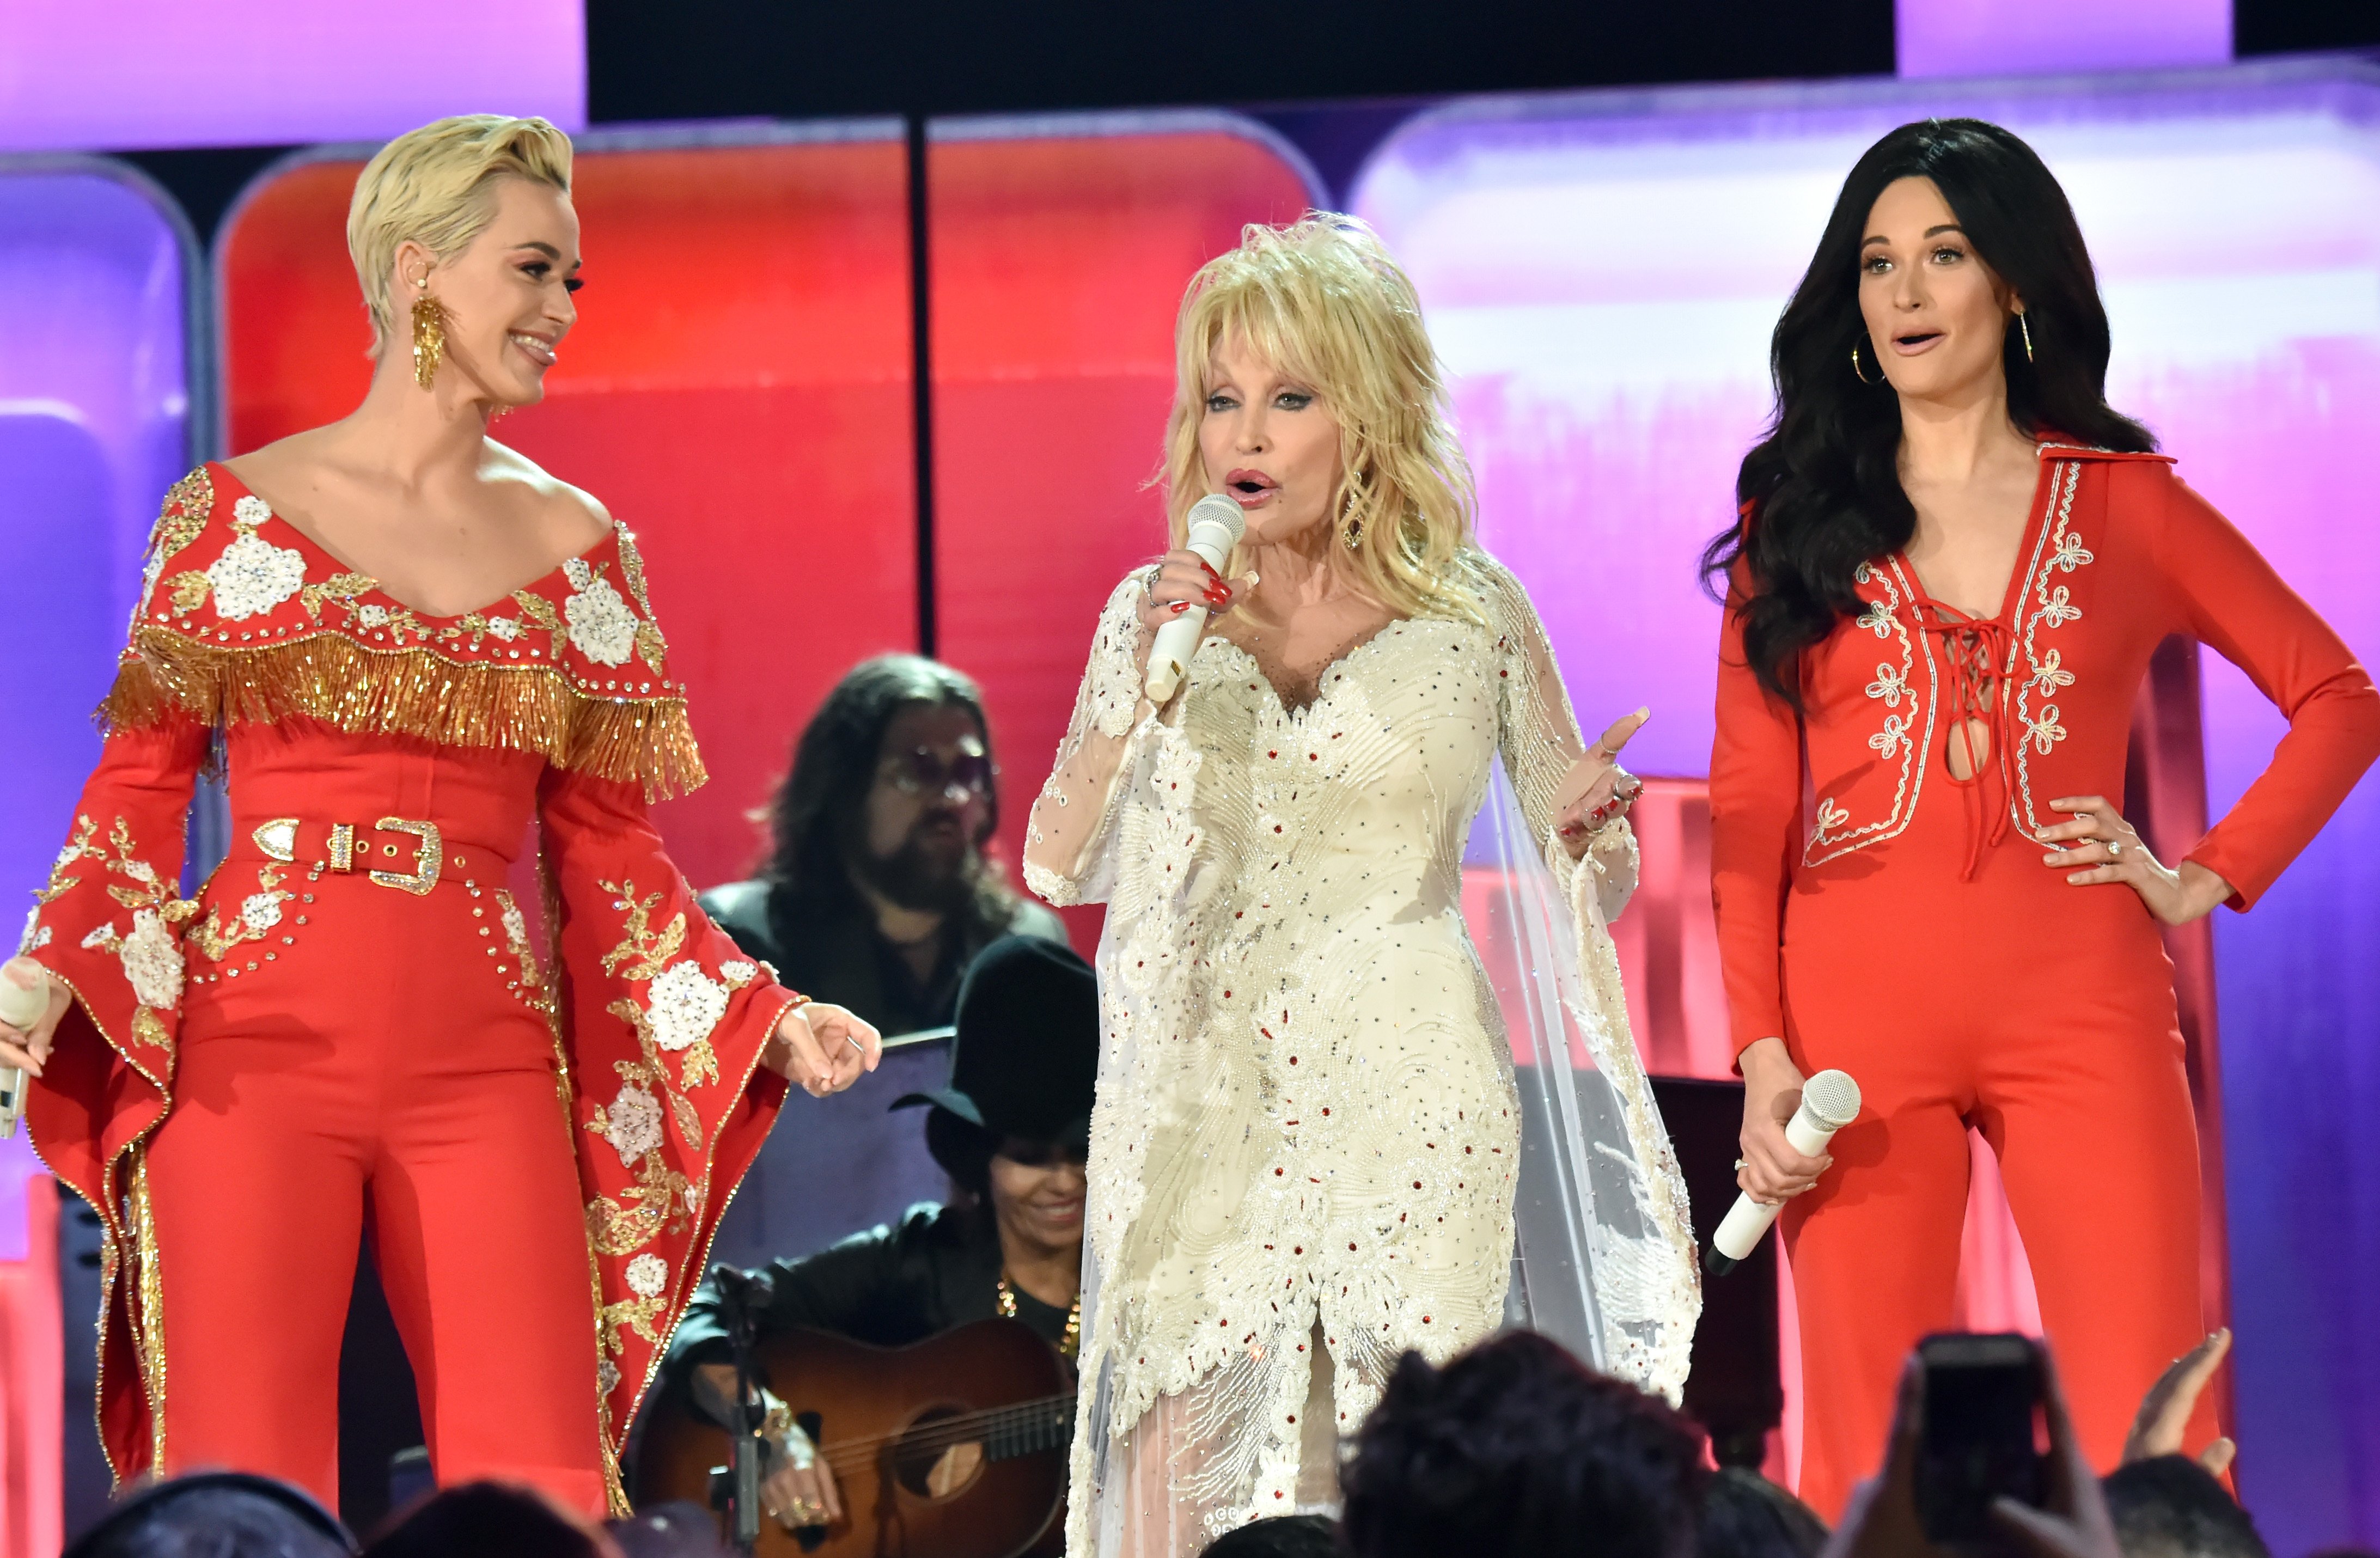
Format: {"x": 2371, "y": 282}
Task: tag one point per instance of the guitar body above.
{"x": 887, "y": 1418}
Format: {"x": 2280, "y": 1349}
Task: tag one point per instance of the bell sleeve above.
{"x": 664, "y": 1022}
{"x": 106, "y": 924}
{"x": 1601, "y": 1221}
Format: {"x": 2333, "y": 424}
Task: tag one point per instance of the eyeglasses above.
{"x": 921, "y": 772}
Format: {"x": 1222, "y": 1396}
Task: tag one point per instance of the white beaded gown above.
{"x": 1308, "y": 1136}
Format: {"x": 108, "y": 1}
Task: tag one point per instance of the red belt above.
{"x": 343, "y": 851}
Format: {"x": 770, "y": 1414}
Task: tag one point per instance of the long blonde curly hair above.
{"x": 1322, "y": 302}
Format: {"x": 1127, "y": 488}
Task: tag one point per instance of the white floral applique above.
{"x": 2043, "y": 729}
{"x": 1887, "y": 743}
{"x": 257, "y": 914}
{"x": 2046, "y": 670}
{"x": 647, "y": 1275}
{"x": 504, "y": 628}
{"x": 251, "y": 578}
{"x": 684, "y": 1006}
{"x": 602, "y": 626}
{"x": 151, "y": 953}
{"x": 633, "y": 1125}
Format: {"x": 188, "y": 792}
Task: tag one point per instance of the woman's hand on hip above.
{"x": 1597, "y": 788}
{"x": 1771, "y": 1170}
{"x": 822, "y": 1049}
{"x": 29, "y": 1048}
{"x": 2098, "y": 847}
{"x": 1183, "y": 579}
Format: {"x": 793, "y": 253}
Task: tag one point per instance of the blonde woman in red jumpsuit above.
{"x": 350, "y": 1027}
{"x": 1954, "y": 564}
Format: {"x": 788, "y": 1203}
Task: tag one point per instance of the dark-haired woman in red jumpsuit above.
{"x": 1954, "y": 565}
{"x": 426, "y": 662}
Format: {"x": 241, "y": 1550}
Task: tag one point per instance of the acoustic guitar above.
{"x": 953, "y": 1447}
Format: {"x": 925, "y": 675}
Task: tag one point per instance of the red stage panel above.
{"x": 1058, "y": 262}
{"x": 737, "y": 391}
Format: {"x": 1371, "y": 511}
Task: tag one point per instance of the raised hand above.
{"x": 2164, "y": 1411}
{"x": 1597, "y": 788}
{"x": 1183, "y": 579}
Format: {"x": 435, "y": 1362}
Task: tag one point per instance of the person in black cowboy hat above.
{"x": 1012, "y": 1130}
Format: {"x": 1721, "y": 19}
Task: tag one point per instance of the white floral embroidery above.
{"x": 2057, "y": 609}
{"x": 2049, "y": 675}
{"x": 153, "y": 961}
{"x": 252, "y": 576}
{"x": 1830, "y": 816}
{"x": 504, "y": 627}
{"x": 261, "y": 911}
{"x": 139, "y": 870}
{"x": 2045, "y": 730}
{"x": 515, "y": 924}
{"x": 36, "y": 933}
{"x": 1887, "y": 742}
{"x": 737, "y": 973}
{"x": 685, "y": 1004}
{"x": 1877, "y": 619}
{"x": 373, "y": 616}
{"x": 100, "y": 936}
{"x": 2070, "y": 553}
{"x": 602, "y": 625}
{"x": 1890, "y": 685}
{"x": 251, "y": 511}
{"x": 578, "y": 571}
{"x": 633, "y": 1125}
{"x": 648, "y": 1275}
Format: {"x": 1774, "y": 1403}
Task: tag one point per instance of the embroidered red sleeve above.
{"x": 666, "y": 1020}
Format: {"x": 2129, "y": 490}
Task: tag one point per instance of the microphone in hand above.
{"x": 1829, "y": 1101}
{"x": 1215, "y": 527}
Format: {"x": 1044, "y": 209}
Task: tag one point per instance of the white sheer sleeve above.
{"x": 1605, "y": 1250}
{"x": 1069, "y": 839}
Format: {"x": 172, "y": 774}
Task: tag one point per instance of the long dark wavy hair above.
{"x": 816, "y": 811}
{"x": 1823, "y": 487}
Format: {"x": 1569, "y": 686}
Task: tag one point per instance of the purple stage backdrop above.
{"x": 1601, "y": 273}
{"x": 94, "y": 411}
{"x": 150, "y": 73}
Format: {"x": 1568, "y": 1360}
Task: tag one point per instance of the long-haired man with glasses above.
{"x": 876, "y": 894}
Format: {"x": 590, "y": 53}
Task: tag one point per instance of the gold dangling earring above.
{"x": 1353, "y": 532}
{"x": 2025, "y": 330}
{"x": 1860, "y": 373}
{"x": 429, "y": 334}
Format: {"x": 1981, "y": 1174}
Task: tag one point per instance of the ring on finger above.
{"x": 854, "y": 1044}
{"x": 2115, "y": 847}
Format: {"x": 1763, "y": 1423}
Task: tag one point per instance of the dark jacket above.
{"x": 888, "y": 1286}
{"x": 833, "y": 952}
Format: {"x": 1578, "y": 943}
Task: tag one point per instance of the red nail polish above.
{"x": 1179, "y": 607}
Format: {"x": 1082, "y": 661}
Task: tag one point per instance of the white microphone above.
{"x": 1829, "y": 1101}
{"x": 20, "y": 1008}
{"x": 1216, "y": 525}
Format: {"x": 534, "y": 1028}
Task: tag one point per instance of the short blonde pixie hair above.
{"x": 431, "y": 185}
{"x": 1321, "y": 302}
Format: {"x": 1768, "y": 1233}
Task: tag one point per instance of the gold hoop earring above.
{"x": 1860, "y": 373}
{"x": 2025, "y": 330}
{"x": 429, "y": 334}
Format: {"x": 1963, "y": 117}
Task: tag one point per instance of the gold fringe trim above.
{"x": 408, "y": 692}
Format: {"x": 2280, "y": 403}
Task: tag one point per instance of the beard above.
{"x": 922, "y": 875}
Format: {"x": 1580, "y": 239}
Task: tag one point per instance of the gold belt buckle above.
{"x": 429, "y": 854}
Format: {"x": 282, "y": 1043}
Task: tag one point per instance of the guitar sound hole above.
{"x": 932, "y": 1465}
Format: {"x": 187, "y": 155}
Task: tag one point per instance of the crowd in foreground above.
{"x": 1512, "y": 1450}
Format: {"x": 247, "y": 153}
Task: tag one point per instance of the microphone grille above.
{"x": 1216, "y": 509}
{"x": 1833, "y": 1096}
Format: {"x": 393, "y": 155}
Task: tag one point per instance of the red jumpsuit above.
{"x": 1900, "y": 924}
{"x": 352, "y": 1029}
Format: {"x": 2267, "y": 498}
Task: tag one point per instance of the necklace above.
{"x": 1068, "y": 1344}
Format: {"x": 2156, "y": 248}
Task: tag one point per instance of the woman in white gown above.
{"x": 1308, "y": 1136}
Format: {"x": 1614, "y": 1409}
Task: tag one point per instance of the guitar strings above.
{"x": 859, "y": 1454}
